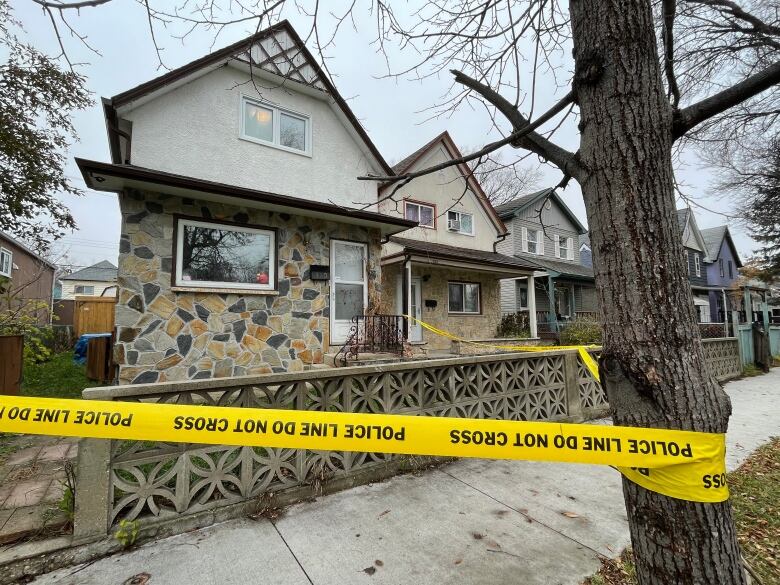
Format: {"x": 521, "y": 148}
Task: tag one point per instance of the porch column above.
{"x": 553, "y": 314}
{"x": 748, "y": 306}
{"x": 406, "y": 293}
{"x": 532, "y": 306}
{"x": 725, "y": 314}
{"x": 574, "y": 301}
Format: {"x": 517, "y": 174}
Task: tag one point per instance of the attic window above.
{"x": 273, "y": 126}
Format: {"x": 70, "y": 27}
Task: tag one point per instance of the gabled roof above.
{"x": 265, "y": 50}
{"x": 585, "y": 240}
{"x": 446, "y": 140}
{"x": 713, "y": 239}
{"x": 511, "y": 208}
{"x": 686, "y": 217}
{"x": 20, "y": 245}
{"x": 102, "y": 272}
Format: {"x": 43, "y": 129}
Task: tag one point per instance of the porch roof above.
{"x": 432, "y": 253}
{"x": 102, "y": 176}
{"x": 558, "y": 268}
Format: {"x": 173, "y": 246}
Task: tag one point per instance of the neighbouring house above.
{"x": 30, "y": 279}
{"x": 543, "y": 230}
{"x": 246, "y": 246}
{"x": 446, "y": 271}
{"x": 586, "y": 253}
{"x": 723, "y": 264}
{"x": 91, "y": 281}
{"x": 695, "y": 255}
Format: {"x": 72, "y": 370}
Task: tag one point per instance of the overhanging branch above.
{"x": 520, "y": 134}
{"x": 536, "y": 143}
{"x": 720, "y": 102}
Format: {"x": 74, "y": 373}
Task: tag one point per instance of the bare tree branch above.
{"x": 669, "y": 10}
{"x": 487, "y": 149}
{"x": 562, "y": 158}
{"x": 722, "y": 101}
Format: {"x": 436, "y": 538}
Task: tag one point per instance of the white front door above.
{"x": 415, "y": 329}
{"x": 348, "y": 290}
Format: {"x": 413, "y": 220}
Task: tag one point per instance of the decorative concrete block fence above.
{"x": 171, "y": 487}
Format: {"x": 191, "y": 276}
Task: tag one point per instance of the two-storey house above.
{"x": 695, "y": 254}
{"x": 246, "y": 244}
{"x": 446, "y": 271}
{"x": 27, "y": 280}
{"x": 722, "y": 272}
{"x": 543, "y": 229}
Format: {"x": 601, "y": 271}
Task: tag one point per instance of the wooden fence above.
{"x": 93, "y": 315}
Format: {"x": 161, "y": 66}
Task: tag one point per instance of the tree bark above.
{"x": 652, "y": 365}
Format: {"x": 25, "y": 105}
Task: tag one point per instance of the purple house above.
{"x": 723, "y": 266}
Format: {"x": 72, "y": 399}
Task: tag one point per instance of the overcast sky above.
{"x": 389, "y": 109}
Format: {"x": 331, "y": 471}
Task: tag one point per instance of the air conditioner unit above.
{"x": 453, "y": 225}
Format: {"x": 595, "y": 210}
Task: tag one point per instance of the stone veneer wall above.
{"x": 165, "y": 335}
{"x": 476, "y": 327}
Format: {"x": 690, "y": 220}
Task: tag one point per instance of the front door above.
{"x": 415, "y": 329}
{"x": 348, "y": 290}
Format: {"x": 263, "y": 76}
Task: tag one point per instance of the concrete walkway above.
{"x": 472, "y": 521}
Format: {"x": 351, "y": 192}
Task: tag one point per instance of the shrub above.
{"x": 581, "y": 332}
{"x": 514, "y": 325}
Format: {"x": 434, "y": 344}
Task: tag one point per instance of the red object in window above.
{"x": 262, "y": 278}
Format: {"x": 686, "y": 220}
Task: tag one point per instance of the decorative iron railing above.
{"x": 373, "y": 334}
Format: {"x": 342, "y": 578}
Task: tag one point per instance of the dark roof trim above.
{"x": 227, "y": 52}
{"x": 89, "y": 167}
{"x": 446, "y": 252}
{"x": 27, "y": 249}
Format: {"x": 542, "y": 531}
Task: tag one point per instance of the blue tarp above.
{"x": 80, "y": 351}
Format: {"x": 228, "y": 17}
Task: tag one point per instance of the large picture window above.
{"x": 216, "y": 255}
{"x": 267, "y": 124}
{"x": 463, "y": 297}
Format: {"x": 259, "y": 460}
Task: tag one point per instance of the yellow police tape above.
{"x": 587, "y": 359}
{"x": 681, "y": 464}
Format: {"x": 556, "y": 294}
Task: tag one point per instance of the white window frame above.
{"x": 721, "y": 268}
{"x": 464, "y": 311}
{"x": 459, "y": 214}
{"x": 5, "y": 252}
{"x": 272, "y": 257}
{"x": 568, "y": 245}
{"x": 697, "y": 263}
{"x": 419, "y": 204}
{"x": 539, "y": 241}
{"x": 86, "y": 294}
{"x": 276, "y": 126}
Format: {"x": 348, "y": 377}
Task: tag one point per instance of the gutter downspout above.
{"x": 500, "y": 239}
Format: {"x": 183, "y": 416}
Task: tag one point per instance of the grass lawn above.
{"x": 57, "y": 378}
{"x": 755, "y": 495}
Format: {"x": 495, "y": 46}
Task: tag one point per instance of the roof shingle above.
{"x": 101, "y": 272}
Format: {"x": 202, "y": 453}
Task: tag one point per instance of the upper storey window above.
{"x": 273, "y": 126}
{"x": 422, "y": 213}
{"x": 458, "y": 221}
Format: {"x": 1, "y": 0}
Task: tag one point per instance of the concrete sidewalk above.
{"x": 472, "y": 521}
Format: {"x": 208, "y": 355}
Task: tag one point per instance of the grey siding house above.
{"x": 545, "y": 231}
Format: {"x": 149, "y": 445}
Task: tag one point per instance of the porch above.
{"x": 453, "y": 289}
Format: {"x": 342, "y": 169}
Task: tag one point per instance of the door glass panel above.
{"x": 348, "y": 301}
{"x": 349, "y": 262}
{"x": 415, "y": 304}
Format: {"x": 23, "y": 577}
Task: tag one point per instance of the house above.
{"x": 723, "y": 264}
{"x": 695, "y": 255}
{"x": 246, "y": 243}
{"x": 586, "y": 252}
{"x": 543, "y": 230}
{"x": 29, "y": 278}
{"x": 91, "y": 281}
{"x": 445, "y": 271}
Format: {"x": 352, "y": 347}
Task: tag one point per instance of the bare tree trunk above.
{"x": 653, "y": 365}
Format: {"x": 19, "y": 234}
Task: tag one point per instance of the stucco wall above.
{"x": 443, "y": 189}
{"x": 482, "y": 326}
{"x": 164, "y": 334}
{"x": 194, "y": 129}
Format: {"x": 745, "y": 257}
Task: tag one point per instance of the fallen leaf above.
{"x": 383, "y": 513}
{"x": 492, "y": 544}
{"x": 477, "y": 536}
{"x": 139, "y": 579}
{"x": 570, "y": 514}
{"x": 379, "y": 563}
{"x": 458, "y": 561}
{"x": 369, "y": 570}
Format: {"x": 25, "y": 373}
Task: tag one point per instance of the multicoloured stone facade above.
{"x": 168, "y": 333}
